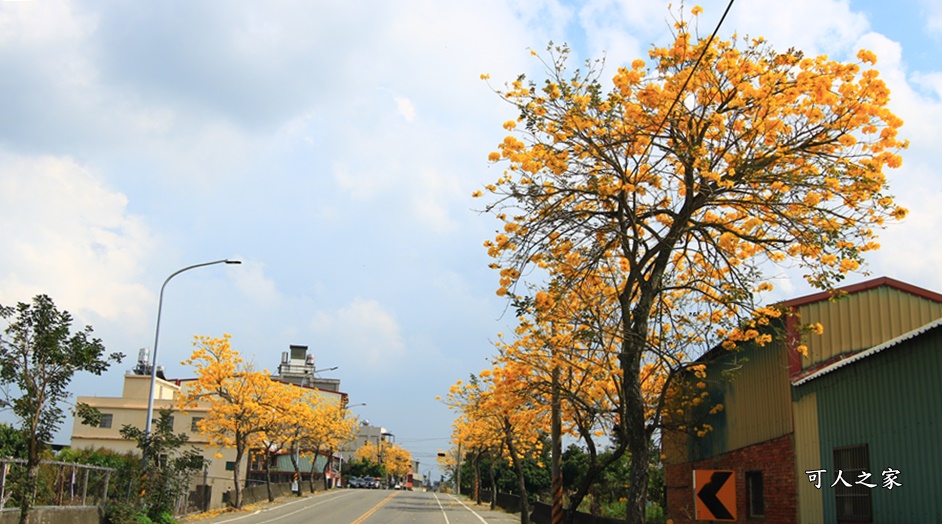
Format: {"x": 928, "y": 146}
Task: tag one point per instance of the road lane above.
{"x": 369, "y": 507}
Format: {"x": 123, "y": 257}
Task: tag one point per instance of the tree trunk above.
{"x": 268, "y": 456}
{"x": 592, "y": 474}
{"x": 476, "y": 466}
{"x": 310, "y": 479}
{"x": 32, "y": 472}
{"x": 632, "y": 417}
{"x": 639, "y": 462}
{"x": 29, "y": 486}
{"x": 521, "y": 483}
{"x": 556, "y": 515}
{"x": 236, "y": 469}
{"x": 297, "y": 468}
{"x": 493, "y": 476}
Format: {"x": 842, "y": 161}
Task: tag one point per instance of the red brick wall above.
{"x": 775, "y": 458}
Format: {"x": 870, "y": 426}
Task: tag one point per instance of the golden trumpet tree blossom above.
{"x": 284, "y": 420}
{"x": 397, "y": 460}
{"x": 369, "y": 452}
{"x": 242, "y": 400}
{"x": 322, "y": 426}
{"x": 673, "y": 188}
{"x": 511, "y": 419}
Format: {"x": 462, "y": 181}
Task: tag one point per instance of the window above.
{"x": 155, "y": 422}
{"x": 853, "y": 503}
{"x": 106, "y": 420}
{"x": 230, "y": 465}
{"x": 755, "y": 493}
{"x": 194, "y": 425}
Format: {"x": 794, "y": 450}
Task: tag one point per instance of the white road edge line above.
{"x": 441, "y": 508}
{"x": 306, "y": 499}
{"x": 469, "y": 509}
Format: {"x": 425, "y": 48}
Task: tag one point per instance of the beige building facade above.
{"x": 206, "y": 489}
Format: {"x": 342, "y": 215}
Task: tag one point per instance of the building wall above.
{"x": 862, "y": 320}
{"x": 808, "y": 457}
{"x": 752, "y": 433}
{"x": 892, "y": 402}
{"x": 774, "y": 458}
{"x": 754, "y": 388}
{"x": 131, "y": 409}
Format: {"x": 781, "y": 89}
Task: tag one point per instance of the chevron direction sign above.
{"x": 714, "y": 495}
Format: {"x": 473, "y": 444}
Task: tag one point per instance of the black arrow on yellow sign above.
{"x": 707, "y": 495}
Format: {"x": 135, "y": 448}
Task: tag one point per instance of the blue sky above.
{"x": 333, "y": 148}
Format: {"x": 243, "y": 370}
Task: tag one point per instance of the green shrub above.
{"x": 120, "y": 513}
{"x": 165, "y": 518}
{"x": 654, "y": 514}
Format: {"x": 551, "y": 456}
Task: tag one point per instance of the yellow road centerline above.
{"x": 374, "y": 508}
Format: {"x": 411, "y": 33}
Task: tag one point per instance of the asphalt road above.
{"x": 366, "y": 506}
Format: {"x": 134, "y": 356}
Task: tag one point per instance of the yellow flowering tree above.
{"x": 338, "y": 426}
{"x": 397, "y": 460}
{"x": 241, "y": 399}
{"x": 566, "y": 339}
{"x": 297, "y": 419}
{"x": 476, "y": 432}
{"x": 501, "y": 400}
{"x": 678, "y": 186}
{"x": 282, "y": 422}
{"x": 368, "y": 452}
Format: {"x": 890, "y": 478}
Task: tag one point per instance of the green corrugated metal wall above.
{"x": 757, "y": 401}
{"x": 891, "y": 401}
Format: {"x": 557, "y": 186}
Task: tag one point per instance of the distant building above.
{"x": 298, "y": 367}
{"x": 846, "y": 433}
{"x": 366, "y": 433}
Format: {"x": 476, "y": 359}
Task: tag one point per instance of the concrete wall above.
{"x": 53, "y": 515}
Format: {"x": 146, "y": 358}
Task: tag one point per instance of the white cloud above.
{"x": 367, "y": 334}
{"x": 44, "y": 22}
{"x": 813, "y": 26}
{"x": 406, "y": 108}
{"x": 251, "y": 280}
{"x": 434, "y": 195}
{"x": 933, "y": 16}
{"x": 603, "y": 22}
{"x": 69, "y": 236}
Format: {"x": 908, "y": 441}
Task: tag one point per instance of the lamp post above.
{"x": 153, "y": 366}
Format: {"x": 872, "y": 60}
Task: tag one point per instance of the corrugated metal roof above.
{"x": 863, "y": 286}
{"x": 872, "y": 351}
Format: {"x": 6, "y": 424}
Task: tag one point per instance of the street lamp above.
{"x": 153, "y": 366}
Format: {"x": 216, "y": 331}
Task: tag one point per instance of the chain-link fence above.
{"x": 59, "y": 484}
